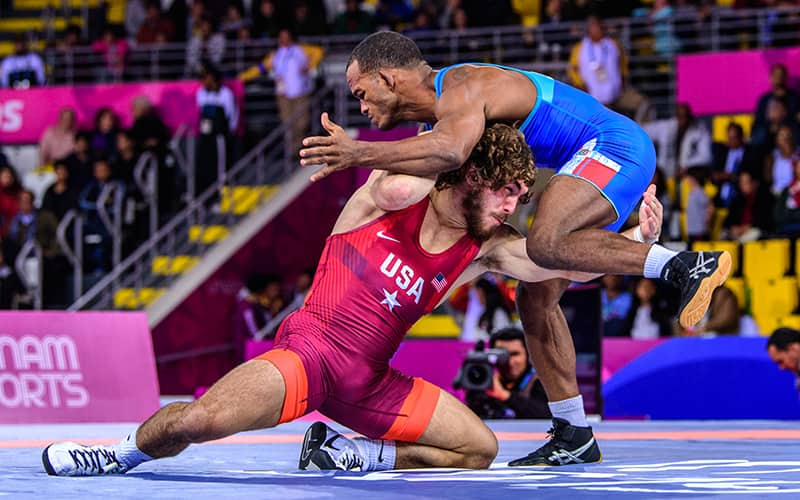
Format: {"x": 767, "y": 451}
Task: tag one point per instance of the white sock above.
{"x": 570, "y": 410}
{"x": 380, "y": 454}
{"x": 657, "y": 258}
{"x": 130, "y": 454}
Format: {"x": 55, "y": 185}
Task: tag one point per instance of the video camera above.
{"x": 477, "y": 371}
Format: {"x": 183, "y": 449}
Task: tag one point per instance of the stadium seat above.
{"x": 164, "y": 265}
{"x": 775, "y": 298}
{"x": 131, "y": 298}
{"x": 765, "y": 259}
{"x": 719, "y": 125}
{"x": 244, "y": 199}
{"x": 435, "y": 325}
{"x": 792, "y": 321}
{"x": 731, "y": 247}
{"x": 207, "y": 234}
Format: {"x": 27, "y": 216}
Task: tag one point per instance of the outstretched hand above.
{"x": 335, "y": 151}
{"x": 651, "y": 215}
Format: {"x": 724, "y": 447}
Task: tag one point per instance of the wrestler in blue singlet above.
{"x": 572, "y": 132}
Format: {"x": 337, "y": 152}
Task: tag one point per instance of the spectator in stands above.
{"x": 750, "y": 215}
{"x": 81, "y": 166}
{"x": 9, "y": 197}
{"x": 251, "y": 313}
{"x": 779, "y": 169}
{"x": 651, "y": 315}
{"x": 485, "y": 310}
{"x": 728, "y": 160}
{"x": 699, "y": 209}
{"x": 787, "y": 207}
{"x": 599, "y": 65}
{"x": 234, "y": 22}
{"x": 206, "y": 44}
{"x": 115, "y": 53}
{"x": 393, "y": 13}
{"x": 71, "y": 38}
{"x": 681, "y": 142}
{"x": 665, "y": 42}
{"x": 218, "y": 115}
{"x": 290, "y": 65}
{"x": 135, "y": 15}
{"x": 22, "y": 227}
{"x": 96, "y": 235}
{"x": 783, "y": 348}
{"x": 9, "y": 284}
{"x": 778, "y": 77}
{"x": 616, "y": 305}
{"x": 148, "y": 131}
{"x": 517, "y": 391}
{"x": 104, "y": 135}
{"x": 22, "y": 69}
{"x": 597, "y": 62}
{"x": 353, "y": 20}
{"x": 124, "y": 163}
{"x": 765, "y": 136}
{"x": 308, "y": 20}
{"x": 265, "y": 19}
{"x": 422, "y": 23}
{"x": 302, "y": 286}
{"x": 60, "y": 197}
{"x": 156, "y": 29}
{"x": 58, "y": 140}
{"x": 722, "y": 317}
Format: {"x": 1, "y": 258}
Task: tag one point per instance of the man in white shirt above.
{"x": 293, "y": 87}
{"x": 599, "y": 63}
{"x": 219, "y": 116}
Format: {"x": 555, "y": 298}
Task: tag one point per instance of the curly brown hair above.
{"x": 501, "y": 156}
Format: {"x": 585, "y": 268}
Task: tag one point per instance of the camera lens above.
{"x": 478, "y": 374}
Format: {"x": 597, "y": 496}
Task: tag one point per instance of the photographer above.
{"x": 516, "y": 391}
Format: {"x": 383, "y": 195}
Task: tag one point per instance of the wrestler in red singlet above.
{"x": 371, "y": 285}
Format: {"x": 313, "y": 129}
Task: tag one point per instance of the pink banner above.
{"x": 731, "y": 82}
{"x": 76, "y": 367}
{"x": 24, "y": 114}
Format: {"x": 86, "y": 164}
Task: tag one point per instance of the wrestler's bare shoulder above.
{"x": 504, "y": 93}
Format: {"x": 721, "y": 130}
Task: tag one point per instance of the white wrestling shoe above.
{"x": 326, "y": 449}
{"x": 73, "y": 459}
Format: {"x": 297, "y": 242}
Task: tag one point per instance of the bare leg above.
{"x": 548, "y": 338}
{"x": 249, "y": 397}
{"x": 455, "y": 437}
{"x": 566, "y": 235}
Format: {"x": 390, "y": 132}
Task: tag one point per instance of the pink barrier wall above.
{"x": 76, "y": 367}
{"x": 24, "y": 114}
{"x": 731, "y": 82}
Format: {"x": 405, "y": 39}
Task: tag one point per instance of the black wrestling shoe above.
{"x": 325, "y": 449}
{"x": 568, "y": 444}
{"x": 696, "y": 275}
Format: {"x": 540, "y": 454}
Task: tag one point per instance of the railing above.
{"x": 266, "y": 163}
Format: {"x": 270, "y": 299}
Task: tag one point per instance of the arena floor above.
{"x": 642, "y": 460}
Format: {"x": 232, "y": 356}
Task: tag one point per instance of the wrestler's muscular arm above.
{"x": 470, "y": 97}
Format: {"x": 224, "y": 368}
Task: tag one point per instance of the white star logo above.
{"x": 390, "y": 300}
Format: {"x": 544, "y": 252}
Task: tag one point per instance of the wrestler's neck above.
{"x": 447, "y": 206}
{"x": 416, "y": 95}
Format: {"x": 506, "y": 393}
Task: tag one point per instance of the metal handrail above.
{"x": 33, "y": 284}
{"x": 145, "y": 175}
{"x": 112, "y": 225}
{"x": 75, "y": 258}
{"x": 273, "y": 142}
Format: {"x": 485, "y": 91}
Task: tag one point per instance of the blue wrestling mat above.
{"x": 642, "y": 460}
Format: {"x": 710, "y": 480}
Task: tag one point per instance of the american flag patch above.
{"x": 439, "y": 282}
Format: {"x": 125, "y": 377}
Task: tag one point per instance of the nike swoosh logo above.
{"x": 329, "y": 443}
{"x": 380, "y": 454}
{"x": 386, "y": 237}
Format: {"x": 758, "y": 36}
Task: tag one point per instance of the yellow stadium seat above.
{"x": 207, "y": 234}
{"x": 168, "y": 266}
{"x": 775, "y": 298}
{"x": 765, "y": 259}
{"x": 736, "y": 285}
{"x": 149, "y": 295}
{"x": 766, "y": 324}
{"x": 792, "y": 321}
{"x": 528, "y": 10}
{"x": 719, "y": 125}
{"x": 435, "y": 325}
{"x": 720, "y": 214}
{"x": 671, "y": 188}
{"x": 732, "y": 247}
{"x": 125, "y": 298}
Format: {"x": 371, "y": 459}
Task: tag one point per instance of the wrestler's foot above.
{"x": 568, "y": 444}
{"x": 326, "y": 449}
{"x": 696, "y": 275}
{"x": 72, "y": 459}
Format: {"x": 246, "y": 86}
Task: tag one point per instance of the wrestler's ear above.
{"x": 472, "y": 177}
{"x": 388, "y": 78}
